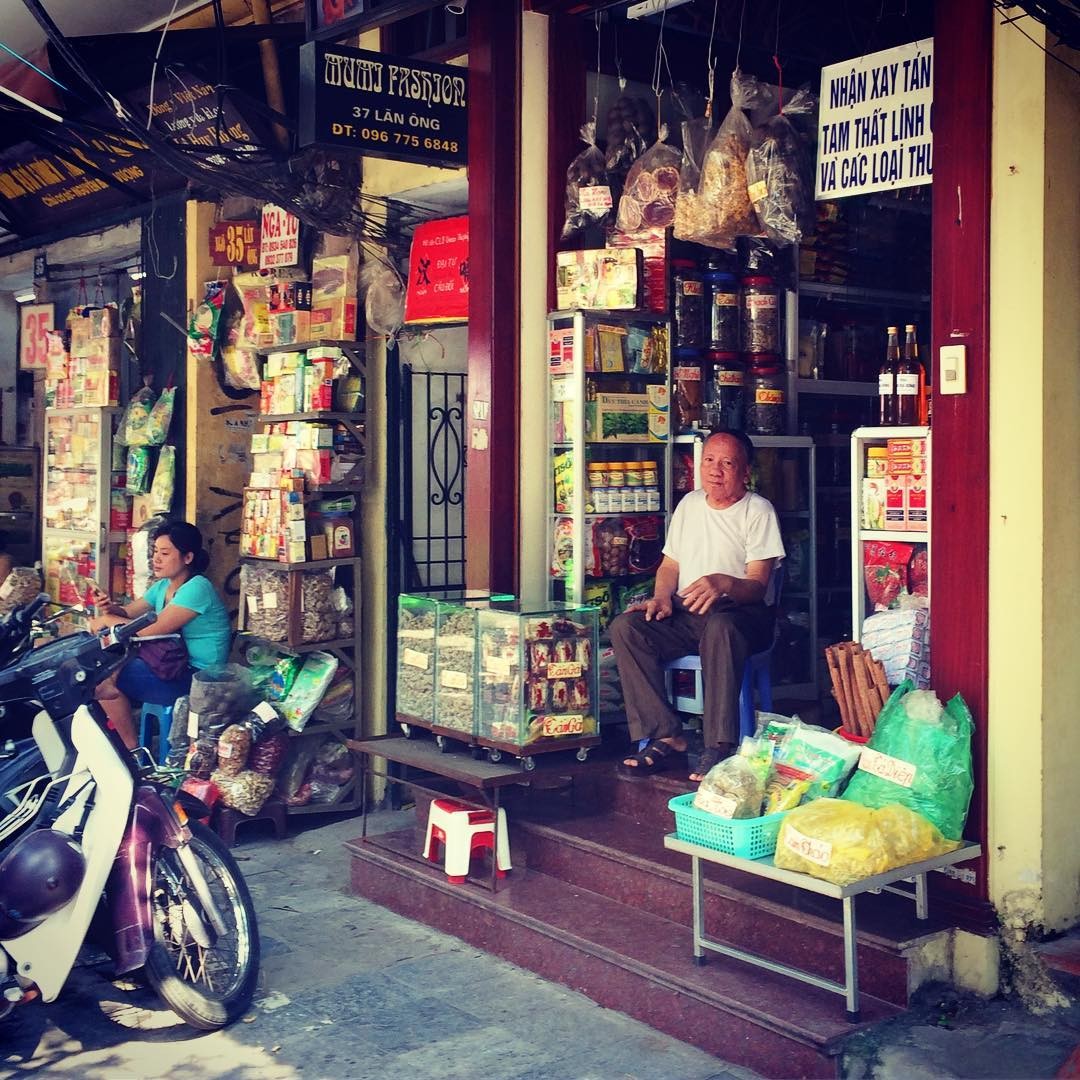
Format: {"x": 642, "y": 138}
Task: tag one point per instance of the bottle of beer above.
{"x": 887, "y": 379}
{"x": 910, "y": 386}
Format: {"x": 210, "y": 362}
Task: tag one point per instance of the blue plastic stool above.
{"x": 757, "y": 675}
{"x": 164, "y": 716}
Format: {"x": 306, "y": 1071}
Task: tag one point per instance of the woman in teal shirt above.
{"x": 185, "y": 603}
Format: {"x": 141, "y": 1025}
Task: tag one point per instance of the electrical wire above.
{"x": 157, "y": 57}
{"x": 22, "y": 59}
{"x": 1001, "y": 6}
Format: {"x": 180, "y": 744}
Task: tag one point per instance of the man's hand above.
{"x": 700, "y": 595}
{"x": 656, "y": 608}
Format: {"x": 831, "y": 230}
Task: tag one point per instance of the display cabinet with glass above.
{"x": 609, "y": 455}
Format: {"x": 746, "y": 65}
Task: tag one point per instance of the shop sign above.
{"x": 875, "y": 122}
{"x": 438, "y": 289}
{"x": 279, "y": 243}
{"x": 35, "y": 322}
{"x": 383, "y": 106}
{"x": 235, "y": 243}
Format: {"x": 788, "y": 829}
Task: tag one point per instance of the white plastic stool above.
{"x": 462, "y": 830}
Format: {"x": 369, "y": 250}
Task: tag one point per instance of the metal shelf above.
{"x": 310, "y": 564}
{"x": 324, "y": 415}
{"x": 855, "y": 294}
{"x": 836, "y": 387}
{"x": 894, "y": 534}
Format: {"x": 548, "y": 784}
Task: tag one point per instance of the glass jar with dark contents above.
{"x": 689, "y": 289}
{"x": 766, "y": 396}
{"x": 760, "y": 316}
{"x": 722, "y": 302}
{"x": 726, "y": 390}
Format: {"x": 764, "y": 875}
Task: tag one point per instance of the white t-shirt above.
{"x": 707, "y": 541}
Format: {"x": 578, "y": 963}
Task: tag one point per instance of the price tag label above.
{"x": 269, "y": 601}
{"x": 887, "y": 767}
{"x": 564, "y": 669}
{"x": 253, "y": 605}
{"x": 454, "y": 680}
{"x": 498, "y": 665}
{"x": 713, "y": 803}
{"x": 595, "y": 197}
{"x": 192, "y": 724}
{"x": 815, "y": 851}
{"x": 416, "y": 659}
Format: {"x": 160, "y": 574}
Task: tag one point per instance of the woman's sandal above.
{"x": 651, "y": 758}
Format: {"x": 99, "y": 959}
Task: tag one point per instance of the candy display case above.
{"x": 537, "y": 679}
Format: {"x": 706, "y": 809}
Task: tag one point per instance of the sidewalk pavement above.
{"x": 348, "y": 989}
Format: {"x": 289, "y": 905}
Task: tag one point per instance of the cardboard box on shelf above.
{"x": 896, "y": 502}
{"x": 317, "y": 544}
{"x": 334, "y": 319}
{"x": 628, "y": 417}
{"x": 335, "y": 277}
{"x": 104, "y": 322}
{"x": 287, "y": 296}
{"x": 873, "y": 502}
{"x": 287, "y": 327}
{"x": 917, "y": 516}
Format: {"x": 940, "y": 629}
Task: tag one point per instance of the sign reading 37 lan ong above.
{"x": 373, "y": 104}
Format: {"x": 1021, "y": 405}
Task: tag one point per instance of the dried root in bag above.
{"x": 779, "y": 174}
{"x": 630, "y": 122}
{"x": 723, "y": 209}
{"x": 588, "y": 194}
{"x": 696, "y": 135}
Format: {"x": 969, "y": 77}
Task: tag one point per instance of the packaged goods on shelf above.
{"x": 289, "y": 296}
{"x": 334, "y": 277}
{"x": 628, "y": 417}
{"x": 333, "y": 318}
{"x": 900, "y": 641}
{"x": 254, "y": 329}
{"x": 606, "y": 278}
{"x": 537, "y": 674}
{"x": 287, "y": 327}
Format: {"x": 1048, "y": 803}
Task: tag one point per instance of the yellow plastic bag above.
{"x": 844, "y": 842}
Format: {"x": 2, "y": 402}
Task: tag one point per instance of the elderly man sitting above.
{"x": 713, "y": 596}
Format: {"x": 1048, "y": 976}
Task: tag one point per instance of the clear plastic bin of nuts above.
{"x": 269, "y": 599}
{"x": 436, "y": 659}
{"x": 537, "y": 674}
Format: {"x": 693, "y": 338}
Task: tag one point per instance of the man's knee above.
{"x": 626, "y": 627}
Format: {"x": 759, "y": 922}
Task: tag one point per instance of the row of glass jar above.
{"x": 722, "y": 390}
{"x": 716, "y": 310}
{"x": 623, "y": 487}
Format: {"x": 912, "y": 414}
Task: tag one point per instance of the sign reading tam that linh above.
{"x": 374, "y": 104}
{"x": 875, "y": 122}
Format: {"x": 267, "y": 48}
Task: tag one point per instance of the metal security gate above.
{"x": 432, "y": 479}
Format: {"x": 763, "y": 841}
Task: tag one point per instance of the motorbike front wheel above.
{"x": 207, "y": 986}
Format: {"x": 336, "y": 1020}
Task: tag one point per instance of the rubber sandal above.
{"x": 710, "y": 757}
{"x": 650, "y": 759}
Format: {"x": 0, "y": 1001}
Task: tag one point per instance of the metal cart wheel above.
{"x": 494, "y": 756}
{"x": 442, "y": 743}
{"x": 582, "y": 754}
{"x": 407, "y": 731}
{"x": 528, "y": 764}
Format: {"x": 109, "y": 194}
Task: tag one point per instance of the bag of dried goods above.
{"x": 697, "y": 134}
{"x": 268, "y": 753}
{"x": 307, "y": 691}
{"x": 779, "y": 173}
{"x": 293, "y": 781}
{"x": 131, "y": 431}
{"x": 160, "y": 417}
{"x": 164, "y": 482}
{"x": 844, "y": 842}
{"x": 919, "y": 756}
{"x": 220, "y": 696}
{"x": 630, "y": 123}
{"x": 885, "y": 569}
{"x": 735, "y": 787}
{"x": 21, "y": 586}
{"x": 588, "y": 196}
{"x": 233, "y": 747}
{"x": 723, "y": 203}
{"x": 823, "y": 759}
{"x": 648, "y": 199}
{"x": 245, "y": 791}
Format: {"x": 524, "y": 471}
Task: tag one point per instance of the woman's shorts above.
{"x": 139, "y": 683}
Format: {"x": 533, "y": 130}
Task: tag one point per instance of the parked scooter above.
{"x": 95, "y": 835}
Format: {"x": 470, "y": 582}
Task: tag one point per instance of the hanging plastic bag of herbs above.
{"x": 588, "y": 194}
{"x": 630, "y": 122}
{"x": 779, "y": 172}
{"x": 648, "y": 200}
{"x": 690, "y": 216}
{"x": 726, "y": 210}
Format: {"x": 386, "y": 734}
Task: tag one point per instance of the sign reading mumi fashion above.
{"x": 375, "y": 104}
{"x": 875, "y": 122}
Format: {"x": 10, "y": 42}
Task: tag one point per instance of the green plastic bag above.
{"x": 919, "y": 756}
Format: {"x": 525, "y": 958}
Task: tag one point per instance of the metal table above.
{"x": 849, "y": 988}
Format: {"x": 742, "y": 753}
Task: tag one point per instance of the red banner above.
{"x": 438, "y": 289}
{"x": 235, "y": 243}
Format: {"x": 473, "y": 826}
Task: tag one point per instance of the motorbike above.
{"x": 94, "y": 846}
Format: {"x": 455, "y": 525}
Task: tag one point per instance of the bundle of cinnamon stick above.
{"x": 859, "y": 686}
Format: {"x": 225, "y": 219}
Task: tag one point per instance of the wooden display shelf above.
{"x": 326, "y": 415}
{"x": 310, "y": 564}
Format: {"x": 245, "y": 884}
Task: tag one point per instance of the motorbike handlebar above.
{"x": 124, "y": 632}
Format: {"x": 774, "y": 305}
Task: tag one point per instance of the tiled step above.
{"x": 624, "y": 958}
{"x": 611, "y": 855}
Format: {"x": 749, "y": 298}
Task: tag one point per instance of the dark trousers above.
{"x": 723, "y": 638}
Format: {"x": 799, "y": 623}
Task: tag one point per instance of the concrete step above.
{"x": 622, "y": 956}
{"x": 611, "y": 855}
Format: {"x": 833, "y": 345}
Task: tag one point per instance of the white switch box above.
{"x": 952, "y": 369}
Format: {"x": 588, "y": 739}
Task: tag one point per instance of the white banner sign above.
{"x": 875, "y": 126}
{"x": 280, "y": 245}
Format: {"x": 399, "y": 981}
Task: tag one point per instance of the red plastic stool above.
{"x": 227, "y": 820}
{"x": 461, "y": 830}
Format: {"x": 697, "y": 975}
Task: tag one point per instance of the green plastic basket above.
{"x": 749, "y": 838}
